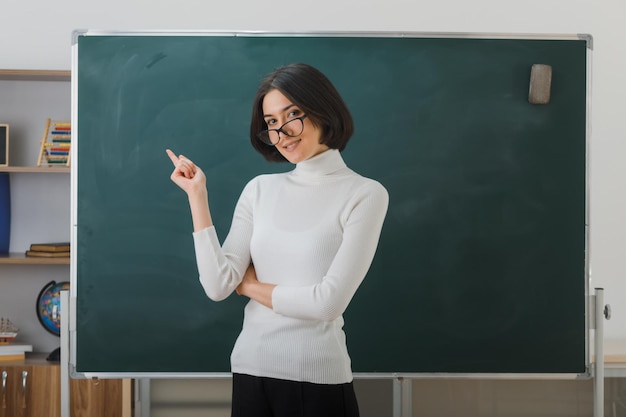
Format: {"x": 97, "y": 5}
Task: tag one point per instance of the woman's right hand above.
{"x": 187, "y": 175}
{"x": 191, "y": 179}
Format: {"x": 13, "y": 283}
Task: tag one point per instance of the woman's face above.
{"x": 278, "y": 110}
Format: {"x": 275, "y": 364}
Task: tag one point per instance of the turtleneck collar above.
{"x": 326, "y": 163}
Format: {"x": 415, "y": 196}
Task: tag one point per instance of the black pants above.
{"x": 267, "y": 397}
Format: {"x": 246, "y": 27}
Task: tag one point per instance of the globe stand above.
{"x": 55, "y": 355}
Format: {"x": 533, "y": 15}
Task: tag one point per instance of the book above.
{"x": 14, "y": 357}
{"x": 51, "y": 247}
{"x": 46, "y": 254}
{"x": 15, "y": 349}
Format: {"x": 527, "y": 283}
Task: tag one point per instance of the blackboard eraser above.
{"x": 540, "y": 83}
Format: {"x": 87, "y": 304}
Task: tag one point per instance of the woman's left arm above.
{"x": 328, "y": 299}
{"x": 250, "y": 287}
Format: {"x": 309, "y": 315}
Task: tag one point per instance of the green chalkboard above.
{"x": 481, "y": 266}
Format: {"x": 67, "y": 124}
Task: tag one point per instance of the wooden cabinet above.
{"x": 100, "y": 398}
{"x": 30, "y": 390}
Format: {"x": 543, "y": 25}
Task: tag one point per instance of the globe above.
{"x": 49, "y": 306}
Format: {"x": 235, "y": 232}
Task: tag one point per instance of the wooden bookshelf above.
{"x": 14, "y": 258}
{"x": 19, "y": 75}
{"x": 87, "y": 398}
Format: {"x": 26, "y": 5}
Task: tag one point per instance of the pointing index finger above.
{"x": 172, "y": 156}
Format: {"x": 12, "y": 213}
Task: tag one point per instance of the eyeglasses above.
{"x": 292, "y": 128}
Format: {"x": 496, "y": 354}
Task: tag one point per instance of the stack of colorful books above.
{"x": 49, "y": 250}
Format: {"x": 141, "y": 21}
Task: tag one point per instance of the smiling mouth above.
{"x": 291, "y": 145}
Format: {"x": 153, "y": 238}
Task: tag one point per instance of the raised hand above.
{"x": 187, "y": 175}
{"x": 191, "y": 179}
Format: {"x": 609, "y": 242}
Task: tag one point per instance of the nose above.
{"x": 286, "y": 130}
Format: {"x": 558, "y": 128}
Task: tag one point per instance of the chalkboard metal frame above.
{"x": 586, "y": 373}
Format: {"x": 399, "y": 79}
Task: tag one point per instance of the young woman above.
{"x": 299, "y": 246}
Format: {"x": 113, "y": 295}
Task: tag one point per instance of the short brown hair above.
{"x": 309, "y": 89}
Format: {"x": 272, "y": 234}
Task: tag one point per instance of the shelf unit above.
{"x": 112, "y": 398}
{"x": 33, "y": 75}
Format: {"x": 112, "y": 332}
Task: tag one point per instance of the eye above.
{"x": 294, "y": 113}
{"x": 270, "y": 122}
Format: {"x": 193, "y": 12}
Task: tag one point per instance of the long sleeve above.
{"x": 221, "y": 267}
{"x": 328, "y": 299}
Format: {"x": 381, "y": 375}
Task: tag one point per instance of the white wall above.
{"x": 36, "y": 34}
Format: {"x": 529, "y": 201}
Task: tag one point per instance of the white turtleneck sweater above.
{"x": 312, "y": 232}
